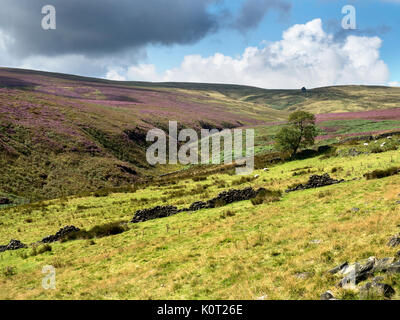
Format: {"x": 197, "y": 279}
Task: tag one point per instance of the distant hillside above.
{"x": 63, "y": 134}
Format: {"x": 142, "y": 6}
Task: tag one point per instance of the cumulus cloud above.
{"x": 306, "y": 56}
{"x": 94, "y": 36}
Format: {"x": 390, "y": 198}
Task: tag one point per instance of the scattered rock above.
{"x": 338, "y": 268}
{"x": 256, "y": 176}
{"x": 398, "y": 255}
{"x": 316, "y": 241}
{"x": 382, "y": 265}
{"x": 394, "y": 241}
{"x": 13, "y": 245}
{"x": 303, "y": 275}
{"x": 376, "y": 289}
{"x": 316, "y": 181}
{"x": 5, "y": 201}
{"x": 327, "y": 296}
{"x": 354, "y": 152}
{"x": 378, "y": 279}
{"x": 394, "y": 268}
{"x": 60, "y": 234}
{"x": 355, "y": 210}
{"x": 356, "y": 273}
{"x": 265, "y": 169}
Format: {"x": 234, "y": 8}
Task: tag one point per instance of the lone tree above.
{"x": 299, "y": 133}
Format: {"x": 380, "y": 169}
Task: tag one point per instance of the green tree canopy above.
{"x": 299, "y": 133}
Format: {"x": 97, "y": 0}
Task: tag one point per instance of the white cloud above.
{"x": 394, "y": 84}
{"x": 306, "y": 56}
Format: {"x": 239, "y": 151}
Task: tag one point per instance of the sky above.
{"x": 273, "y": 44}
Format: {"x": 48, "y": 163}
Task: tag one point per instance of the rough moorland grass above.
{"x": 240, "y": 251}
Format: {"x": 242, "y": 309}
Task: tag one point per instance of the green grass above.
{"x": 240, "y": 251}
{"x": 360, "y": 125}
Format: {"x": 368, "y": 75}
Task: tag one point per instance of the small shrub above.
{"x": 266, "y": 196}
{"x": 9, "y": 271}
{"x": 196, "y": 179}
{"x": 378, "y": 174}
{"x": 323, "y": 194}
{"x": 227, "y": 214}
{"x": 220, "y": 203}
{"x": 301, "y": 173}
{"x": 174, "y": 194}
{"x": 100, "y": 231}
{"x": 101, "y": 193}
{"x": 242, "y": 180}
{"x": 36, "y": 250}
{"x": 199, "y": 189}
{"x": 336, "y": 169}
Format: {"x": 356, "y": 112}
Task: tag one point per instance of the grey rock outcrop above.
{"x": 376, "y": 289}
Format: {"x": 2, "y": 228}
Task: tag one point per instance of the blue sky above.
{"x": 265, "y": 43}
{"x": 379, "y": 18}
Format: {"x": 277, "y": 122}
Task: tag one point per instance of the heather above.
{"x": 77, "y": 193}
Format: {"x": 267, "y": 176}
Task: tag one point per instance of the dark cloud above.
{"x": 253, "y": 11}
{"x": 104, "y": 26}
{"x": 98, "y": 28}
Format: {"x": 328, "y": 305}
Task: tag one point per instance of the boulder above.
{"x": 327, "y": 296}
{"x": 394, "y": 241}
{"x": 339, "y": 268}
{"x": 356, "y": 273}
{"x": 394, "y": 268}
{"x": 382, "y": 265}
{"x": 376, "y": 289}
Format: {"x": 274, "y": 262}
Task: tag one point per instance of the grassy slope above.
{"x": 238, "y": 251}
{"x": 62, "y": 134}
